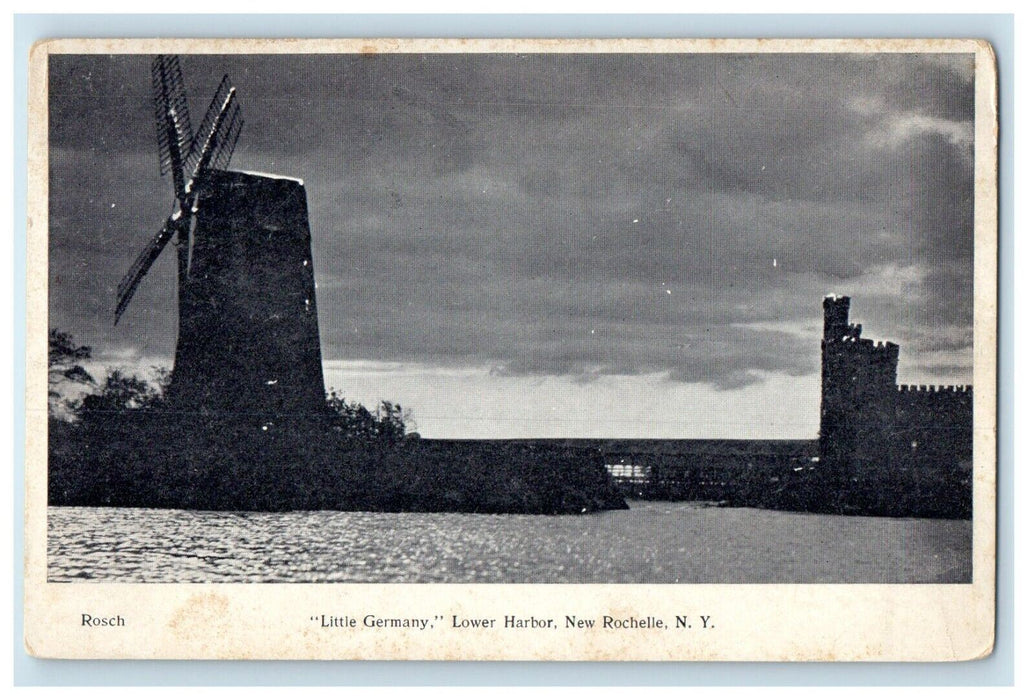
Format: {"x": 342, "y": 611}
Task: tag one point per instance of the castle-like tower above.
{"x": 249, "y": 343}
{"x": 858, "y": 387}
{"x": 866, "y": 419}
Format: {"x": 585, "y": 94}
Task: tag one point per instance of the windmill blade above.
{"x": 224, "y": 119}
{"x": 172, "y": 117}
{"x": 207, "y": 123}
{"x": 226, "y": 140}
{"x": 143, "y": 263}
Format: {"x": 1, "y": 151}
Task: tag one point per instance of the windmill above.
{"x": 248, "y": 341}
{"x": 188, "y": 155}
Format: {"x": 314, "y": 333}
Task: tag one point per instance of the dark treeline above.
{"x": 121, "y": 444}
{"x": 124, "y": 444}
{"x": 145, "y": 458}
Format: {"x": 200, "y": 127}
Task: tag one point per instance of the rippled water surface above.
{"x": 654, "y": 542}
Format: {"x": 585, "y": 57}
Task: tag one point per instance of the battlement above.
{"x": 885, "y": 346}
{"x": 835, "y": 318}
{"x": 935, "y": 389}
{"x": 867, "y": 417}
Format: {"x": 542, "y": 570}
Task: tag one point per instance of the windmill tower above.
{"x": 248, "y": 343}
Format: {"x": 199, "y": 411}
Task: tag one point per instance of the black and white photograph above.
{"x": 513, "y": 316}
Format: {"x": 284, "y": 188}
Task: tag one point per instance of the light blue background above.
{"x": 995, "y": 670}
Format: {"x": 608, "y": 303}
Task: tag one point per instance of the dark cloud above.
{"x": 577, "y": 215}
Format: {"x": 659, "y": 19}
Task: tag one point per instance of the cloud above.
{"x": 557, "y": 215}
{"x": 899, "y": 129}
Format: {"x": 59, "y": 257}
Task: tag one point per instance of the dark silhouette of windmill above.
{"x": 248, "y": 343}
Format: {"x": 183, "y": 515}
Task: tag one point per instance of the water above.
{"x": 654, "y": 542}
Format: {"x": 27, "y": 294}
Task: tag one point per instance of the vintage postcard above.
{"x": 511, "y": 349}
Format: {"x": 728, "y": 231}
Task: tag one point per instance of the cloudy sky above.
{"x": 559, "y": 245}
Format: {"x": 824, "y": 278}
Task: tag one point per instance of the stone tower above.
{"x": 858, "y": 389}
{"x": 249, "y": 343}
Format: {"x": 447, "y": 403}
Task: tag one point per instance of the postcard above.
{"x": 511, "y": 349}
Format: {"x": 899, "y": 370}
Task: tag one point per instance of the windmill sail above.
{"x": 187, "y": 155}
{"x": 207, "y": 122}
{"x": 228, "y": 140}
{"x": 143, "y": 263}
{"x": 172, "y": 117}
{"x": 213, "y": 139}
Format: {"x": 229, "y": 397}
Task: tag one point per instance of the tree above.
{"x": 121, "y": 392}
{"x": 162, "y": 380}
{"x": 354, "y": 420}
{"x": 63, "y": 366}
{"x": 391, "y": 422}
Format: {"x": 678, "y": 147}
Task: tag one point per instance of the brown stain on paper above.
{"x": 203, "y": 611}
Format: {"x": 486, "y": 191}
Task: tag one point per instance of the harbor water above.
{"x": 653, "y": 542}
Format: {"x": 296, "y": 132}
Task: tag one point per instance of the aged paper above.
{"x": 600, "y": 302}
